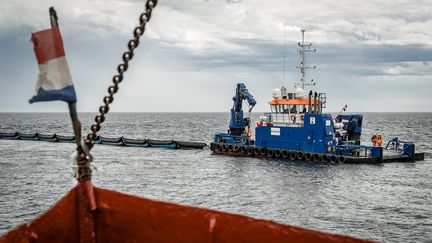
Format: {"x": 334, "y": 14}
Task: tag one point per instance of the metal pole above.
{"x": 86, "y": 190}
{"x": 343, "y": 109}
{"x": 76, "y": 124}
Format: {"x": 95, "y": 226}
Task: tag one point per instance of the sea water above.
{"x": 388, "y": 202}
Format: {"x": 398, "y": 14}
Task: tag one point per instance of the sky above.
{"x": 373, "y": 55}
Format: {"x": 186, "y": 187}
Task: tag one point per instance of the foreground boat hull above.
{"x": 126, "y": 218}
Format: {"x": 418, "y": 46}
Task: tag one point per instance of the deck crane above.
{"x": 237, "y": 122}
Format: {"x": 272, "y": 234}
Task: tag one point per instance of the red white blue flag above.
{"x": 54, "y": 81}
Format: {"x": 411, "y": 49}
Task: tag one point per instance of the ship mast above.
{"x": 303, "y": 48}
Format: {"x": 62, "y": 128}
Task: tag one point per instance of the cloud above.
{"x": 208, "y": 45}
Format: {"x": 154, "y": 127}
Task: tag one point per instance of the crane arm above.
{"x": 237, "y": 123}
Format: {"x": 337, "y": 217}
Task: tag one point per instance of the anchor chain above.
{"x": 121, "y": 68}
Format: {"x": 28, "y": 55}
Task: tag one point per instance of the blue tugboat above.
{"x": 297, "y": 129}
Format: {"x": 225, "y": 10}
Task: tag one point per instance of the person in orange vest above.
{"x": 374, "y": 140}
{"x": 379, "y": 140}
{"x": 249, "y": 133}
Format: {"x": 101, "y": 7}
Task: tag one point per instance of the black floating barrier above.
{"x": 112, "y": 141}
{"x": 9, "y": 135}
{"x": 162, "y": 143}
{"x": 29, "y": 136}
{"x": 191, "y": 145}
{"x": 121, "y": 141}
{"x": 48, "y": 138}
{"x": 65, "y": 138}
{"x": 135, "y": 142}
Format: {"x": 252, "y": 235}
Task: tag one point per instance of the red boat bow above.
{"x": 126, "y": 218}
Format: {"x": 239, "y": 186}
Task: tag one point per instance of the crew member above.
{"x": 379, "y": 140}
{"x": 249, "y": 133}
{"x": 374, "y": 140}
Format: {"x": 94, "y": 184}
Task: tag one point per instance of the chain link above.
{"x": 121, "y": 68}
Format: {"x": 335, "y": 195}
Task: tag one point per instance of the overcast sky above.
{"x": 374, "y": 55}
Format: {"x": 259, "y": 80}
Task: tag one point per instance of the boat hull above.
{"x": 324, "y": 158}
{"x": 127, "y": 218}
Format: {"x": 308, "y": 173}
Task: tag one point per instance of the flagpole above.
{"x": 76, "y": 124}
{"x": 343, "y": 109}
{"x": 83, "y": 172}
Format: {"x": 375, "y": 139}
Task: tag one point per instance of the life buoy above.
{"x": 293, "y": 118}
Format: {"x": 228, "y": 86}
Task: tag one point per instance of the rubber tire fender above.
{"x": 250, "y": 151}
{"x": 285, "y": 153}
{"x": 218, "y": 147}
{"x": 263, "y": 151}
{"x": 230, "y": 147}
{"x": 256, "y": 151}
{"x": 270, "y": 153}
{"x": 293, "y": 155}
{"x": 224, "y": 147}
{"x": 277, "y": 153}
{"x": 325, "y": 158}
{"x": 308, "y": 156}
{"x": 300, "y": 155}
{"x": 333, "y": 158}
{"x": 341, "y": 159}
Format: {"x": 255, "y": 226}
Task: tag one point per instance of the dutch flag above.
{"x": 54, "y": 81}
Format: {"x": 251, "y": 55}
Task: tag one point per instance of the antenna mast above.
{"x": 304, "y": 47}
{"x": 284, "y": 48}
